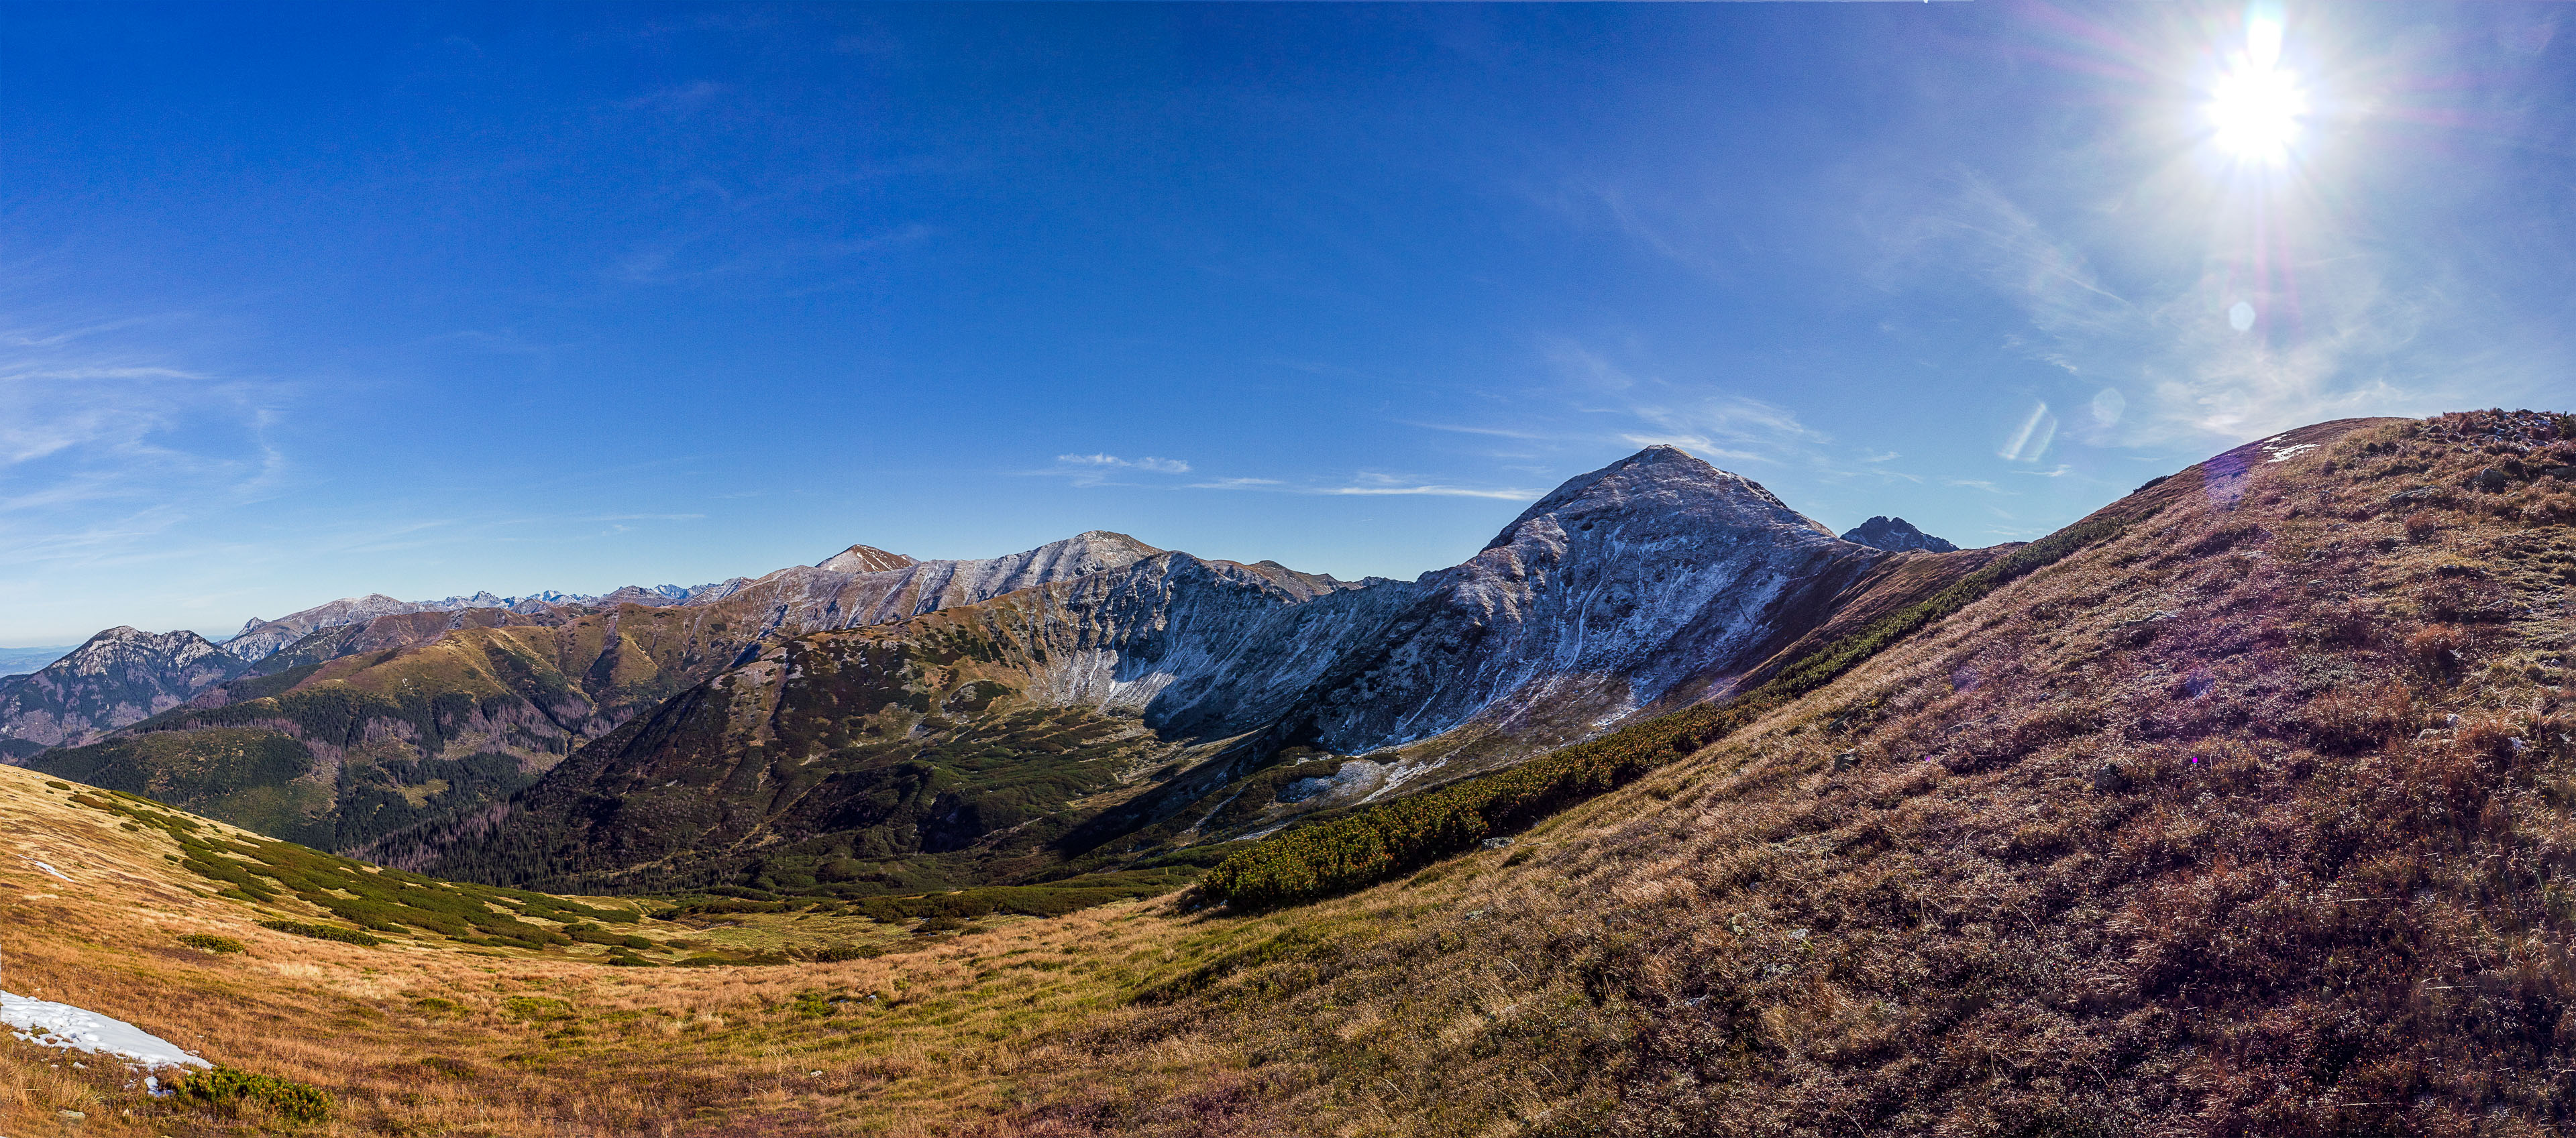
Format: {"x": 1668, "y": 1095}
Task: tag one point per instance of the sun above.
{"x": 2256, "y": 107}
{"x": 2257, "y": 112}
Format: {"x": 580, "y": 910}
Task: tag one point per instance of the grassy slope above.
{"x": 2179, "y": 836}
{"x": 426, "y": 1034}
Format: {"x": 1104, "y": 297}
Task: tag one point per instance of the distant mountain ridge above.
{"x": 1896, "y": 534}
{"x": 258, "y": 638}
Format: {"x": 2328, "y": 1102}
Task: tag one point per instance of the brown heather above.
{"x": 2254, "y": 819}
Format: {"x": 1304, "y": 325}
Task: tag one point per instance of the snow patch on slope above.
{"x": 50, "y": 1024}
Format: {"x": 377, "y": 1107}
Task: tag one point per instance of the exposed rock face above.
{"x": 123, "y": 675}
{"x": 1896, "y": 534}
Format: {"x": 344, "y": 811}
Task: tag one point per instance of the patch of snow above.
{"x": 62, "y": 1025}
{"x": 49, "y": 869}
{"x": 2287, "y": 453}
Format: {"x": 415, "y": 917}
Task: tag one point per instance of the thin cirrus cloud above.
{"x": 1102, "y": 469}
{"x": 118, "y": 442}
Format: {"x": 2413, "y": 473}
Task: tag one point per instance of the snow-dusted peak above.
{"x": 1661, "y": 488}
{"x": 864, "y": 559}
{"x": 126, "y": 646}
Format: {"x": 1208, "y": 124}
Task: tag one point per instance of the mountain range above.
{"x": 900, "y": 723}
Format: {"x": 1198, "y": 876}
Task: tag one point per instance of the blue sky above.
{"x": 306, "y": 301}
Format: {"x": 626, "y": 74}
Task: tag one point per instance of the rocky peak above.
{"x": 126, "y": 645}
{"x": 864, "y": 559}
{"x": 1664, "y": 487}
{"x": 1896, "y": 534}
{"x": 120, "y": 676}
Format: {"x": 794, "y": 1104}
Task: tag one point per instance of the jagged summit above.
{"x": 1663, "y": 485}
{"x": 864, "y": 559}
{"x": 1896, "y": 534}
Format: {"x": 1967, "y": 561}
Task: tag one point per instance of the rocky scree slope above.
{"x": 2248, "y": 820}
{"x": 1237, "y": 692}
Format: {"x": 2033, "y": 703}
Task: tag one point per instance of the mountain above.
{"x": 1143, "y": 696}
{"x": 1896, "y": 533}
{"x": 369, "y": 724}
{"x": 120, "y": 676}
{"x": 259, "y": 638}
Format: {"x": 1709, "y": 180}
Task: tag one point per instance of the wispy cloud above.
{"x": 1376, "y": 484}
{"x": 1372, "y": 484}
{"x": 106, "y": 441}
{"x": 1101, "y": 469}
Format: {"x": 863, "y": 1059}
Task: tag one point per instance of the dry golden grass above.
{"x": 920, "y": 1041}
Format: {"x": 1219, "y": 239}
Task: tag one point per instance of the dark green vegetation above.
{"x": 1052, "y": 899}
{"x": 323, "y": 932}
{"x": 378, "y": 900}
{"x": 229, "y": 1090}
{"x": 1399, "y": 837}
{"x": 212, "y": 943}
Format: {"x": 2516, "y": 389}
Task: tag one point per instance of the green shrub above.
{"x": 226, "y": 1087}
{"x": 536, "y": 1009}
{"x": 323, "y": 932}
{"x": 840, "y": 952}
{"x": 212, "y": 943}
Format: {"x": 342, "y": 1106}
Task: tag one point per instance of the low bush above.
{"x": 228, "y": 1088}
{"x": 212, "y": 943}
{"x": 323, "y": 932}
{"x": 536, "y": 1009}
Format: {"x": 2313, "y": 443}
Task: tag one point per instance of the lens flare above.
{"x": 2256, "y": 107}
